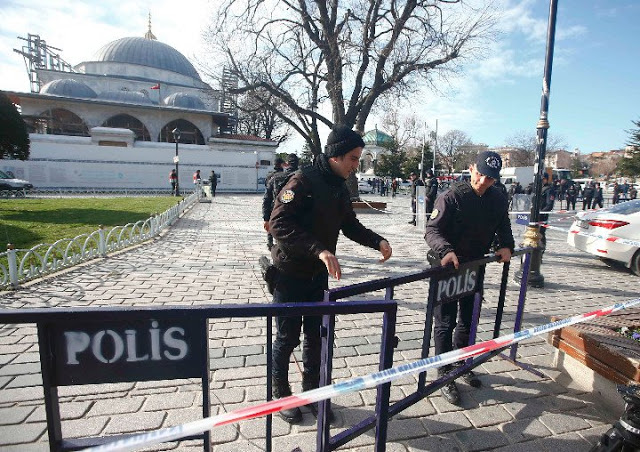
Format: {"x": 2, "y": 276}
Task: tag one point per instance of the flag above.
{"x": 156, "y": 86}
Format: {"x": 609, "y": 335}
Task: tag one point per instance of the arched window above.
{"x": 189, "y": 133}
{"x": 124, "y": 121}
{"x": 64, "y": 122}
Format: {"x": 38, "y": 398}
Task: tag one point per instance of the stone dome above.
{"x": 130, "y": 97}
{"x": 146, "y": 52}
{"x": 68, "y": 88}
{"x": 377, "y": 138}
{"x": 184, "y": 100}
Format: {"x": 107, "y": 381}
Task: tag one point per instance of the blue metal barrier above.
{"x": 61, "y": 319}
{"x": 73, "y": 322}
{"x": 383, "y": 410}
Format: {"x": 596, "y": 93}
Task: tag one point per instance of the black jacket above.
{"x": 275, "y": 184}
{"x": 307, "y": 217}
{"x": 432, "y": 188}
{"x": 466, "y": 223}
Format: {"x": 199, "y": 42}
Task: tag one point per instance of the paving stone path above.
{"x": 211, "y": 256}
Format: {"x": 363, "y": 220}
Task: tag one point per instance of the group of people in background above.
{"x": 197, "y": 181}
{"x": 568, "y": 190}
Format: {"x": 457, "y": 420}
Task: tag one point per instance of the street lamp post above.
{"x": 532, "y": 236}
{"x": 176, "y": 159}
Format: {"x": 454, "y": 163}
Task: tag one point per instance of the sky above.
{"x": 595, "y": 89}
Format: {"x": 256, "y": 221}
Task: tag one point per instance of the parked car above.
{"x": 364, "y": 187}
{"x": 10, "y": 183}
{"x": 621, "y": 221}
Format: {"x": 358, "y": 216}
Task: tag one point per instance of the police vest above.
{"x": 473, "y": 242}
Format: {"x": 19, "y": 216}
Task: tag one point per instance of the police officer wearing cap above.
{"x": 415, "y": 183}
{"x": 277, "y": 181}
{"x": 431, "y": 192}
{"x": 461, "y": 228}
{"x": 309, "y": 213}
{"x": 277, "y": 169}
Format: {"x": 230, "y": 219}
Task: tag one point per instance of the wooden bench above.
{"x": 598, "y": 345}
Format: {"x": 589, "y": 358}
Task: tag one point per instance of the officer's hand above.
{"x": 332, "y": 264}
{"x": 266, "y": 225}
{"x": 450, "y": 258}
{"x": 505, "y": 254}
{"x": 385, "y": 249}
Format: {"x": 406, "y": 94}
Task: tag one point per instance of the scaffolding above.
{"x": 37, "y": 56}
{"x": 230, "y": 99}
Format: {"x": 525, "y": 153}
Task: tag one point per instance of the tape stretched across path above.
{"x": 351, "y": 385}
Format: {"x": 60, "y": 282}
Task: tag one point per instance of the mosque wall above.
{"x": 95, "y": 114}
{"x": 58, "y": 161}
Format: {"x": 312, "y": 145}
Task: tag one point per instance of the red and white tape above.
{"x": 351, "y": 385}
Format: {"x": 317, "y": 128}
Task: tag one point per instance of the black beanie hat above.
{"x": 342, "y": 140}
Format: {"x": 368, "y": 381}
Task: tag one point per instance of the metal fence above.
{"x": 21, "y": 265}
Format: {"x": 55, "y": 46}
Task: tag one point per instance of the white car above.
{"x": 599, "y": 233}
{"x": 364, "y": 187}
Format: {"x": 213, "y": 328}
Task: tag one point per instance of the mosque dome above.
{"x": 184, "y": 100}
{"x": 68, "y": 88}
{"x": 377, "y": 138}
{"x": 146, "y": 52}
{"x": 131, "y": 97}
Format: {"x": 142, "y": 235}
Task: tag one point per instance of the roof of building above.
{"x": 377, "y": 138}
{"x": 184, "y": 100}
{"x": 146, "y": 52}
{"x": 131, "y": 97}
{"x": 68, "y": 87}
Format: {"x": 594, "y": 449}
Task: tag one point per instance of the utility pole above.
{"x": 532, "y": 237}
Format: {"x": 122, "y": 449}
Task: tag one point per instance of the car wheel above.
{"x": 635, "y": 263}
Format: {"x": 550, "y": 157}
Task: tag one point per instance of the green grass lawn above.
{"x": 27, "y": 222}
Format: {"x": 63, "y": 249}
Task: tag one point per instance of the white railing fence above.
{"x": 20, "y": 265}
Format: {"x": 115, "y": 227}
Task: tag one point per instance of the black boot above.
{"x": 471, "y": 378}
{"x": 310, "y": 382}
{"x": 450, "y": 390}
{"x": 282, "y": 389}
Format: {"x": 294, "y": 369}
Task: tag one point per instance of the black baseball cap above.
{"x": 489, "y": 164}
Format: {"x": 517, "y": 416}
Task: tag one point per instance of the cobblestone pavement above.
{"x": 211, "y": 256}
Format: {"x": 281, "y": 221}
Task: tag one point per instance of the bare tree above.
{"x": 405, "y": 129}
{"x": 525, "y": 144}
{"x": 344, "y": 54}
{"x": 257, "y": 117}
{"x": 451, "y": 152}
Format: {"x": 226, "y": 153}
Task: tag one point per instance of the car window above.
{"x": 626, "y": 208}
{"x": 4, "y": 175}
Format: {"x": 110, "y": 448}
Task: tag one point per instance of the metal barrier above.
{"x": 67, "y": 334}
{"x": 95, "y": 345}
{"x": 435, "y": 275}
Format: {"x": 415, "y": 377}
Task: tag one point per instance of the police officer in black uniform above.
{"x": 275, "y": 184}
{"x": 431, "y": 192}
{"x": 415, "y": 182}
{"x": 461, "y": 228}
{"x": 311, "y": 209}
{"x": 277, "y": 169}
{"x": 572, "y": 195}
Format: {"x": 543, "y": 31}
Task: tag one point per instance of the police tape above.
{"x": 351, "y": 385}
{"x": 608, "y": 238}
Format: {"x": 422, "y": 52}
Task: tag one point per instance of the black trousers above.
{"x": 413, "y": 209}
{"x": 446, "y": 319}
{"x": 294, "y": 290}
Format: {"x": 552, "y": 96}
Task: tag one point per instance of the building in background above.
{"x": 107, "y": 122}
